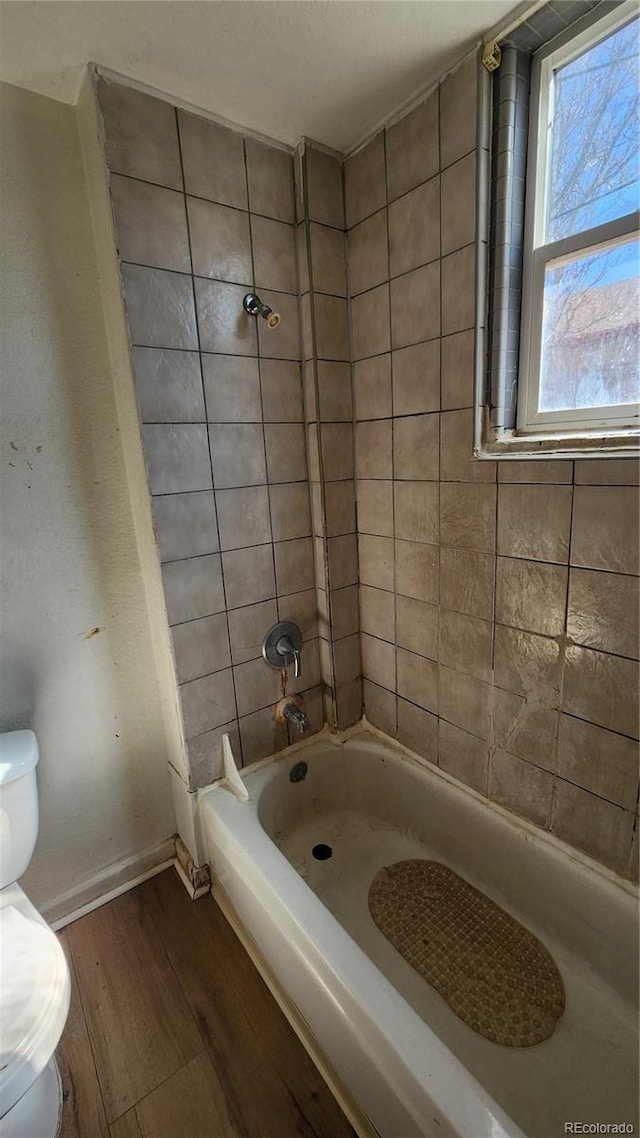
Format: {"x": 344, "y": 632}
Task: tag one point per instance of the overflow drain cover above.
{"x": 322, "y": 852}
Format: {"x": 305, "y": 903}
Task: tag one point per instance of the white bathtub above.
{"x": 410, "y": 1067}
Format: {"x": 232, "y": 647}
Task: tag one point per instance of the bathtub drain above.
{"x": 322, "y": 852}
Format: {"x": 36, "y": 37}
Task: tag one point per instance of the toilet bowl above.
{"x": 34, "y": 975}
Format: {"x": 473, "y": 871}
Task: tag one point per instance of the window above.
{"x": 572, "y": 331}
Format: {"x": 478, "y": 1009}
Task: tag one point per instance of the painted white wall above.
{"x": 69, "y": 561}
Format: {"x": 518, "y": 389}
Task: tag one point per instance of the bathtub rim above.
{"x": 337, "y": 738}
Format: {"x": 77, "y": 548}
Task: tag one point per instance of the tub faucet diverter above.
{"x": 282, "y": 647}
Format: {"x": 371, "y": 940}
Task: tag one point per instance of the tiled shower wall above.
{"x": 498, "y": 602}
{"x": 203, "y": 216}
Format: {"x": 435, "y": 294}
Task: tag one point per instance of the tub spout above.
{"x": 296, "y": 715}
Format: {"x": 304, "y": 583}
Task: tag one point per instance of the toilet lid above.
{"x": 34, "y": 1001}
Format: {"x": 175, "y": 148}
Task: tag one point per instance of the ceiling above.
{"x": 328, "y": 69}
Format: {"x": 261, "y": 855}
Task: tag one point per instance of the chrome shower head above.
{"x": 256, "y": 307}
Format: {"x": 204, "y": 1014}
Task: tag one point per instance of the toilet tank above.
{"x": 18, "y": 803}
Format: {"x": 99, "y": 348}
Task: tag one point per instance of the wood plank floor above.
{"x": 172, "y": 1032}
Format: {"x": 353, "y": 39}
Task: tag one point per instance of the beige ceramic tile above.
{"x": 458, "y": 112}
{"x": 458, "y": 187}
{"x": 416, "y": 447}
{"x": 417, "y": 626}
{"x": 414, "y": 228}
{"x": 603, "y": 611}
{"x": 602, "y": 689}
{"x": 247, "y": 627}
{"x": 160, "y": 308}
{"x": 342, "y": 559}
{"x": 340, "y": 508}
{"x": 521, "y": 787}
{"x": 232, "y": 389}
{"x": 185, "y": 525}
{"x": 257, "y": 685}
{"x": 220, "y": 241}
{"x": 465, "y": 701}
{"x": 243, "y": 517}
{"x": 466, "y": 581}
{"x": 412, "y": 148}
{"x": 462, "y": 755}
{"x": 237, "y": 454}
{"x": 540, "y": 470}
{"x": 368, "y": 253}
{"x": 534, "y": 522}
{"x": 261, "y": 735}
{"x": 375, "y": 506}
{"x": 457, "y": 463}
{"x": 290, "y": 514}
{"x": 193, "y": 588}
{"x": 303, "y": 258}
{"x": 141, "y": 136}
{"x": 324, "y": 188}
{"x": 370, "y": 323}
{"x": 380, "y": 707}
{"x": 418, "y": 730}
{"x": 377, "y": 612}
{"x": 294, "y": 565}
{"x": 348, "y": 704}
{"x": 281, "y": 391}
{"x": 416, "y": 379}
{"x": 213, "y": 160}
{"x": 608, "y": 472}
{"x": 334, "y": 391}
{"x": 416, "y": 511}
{"x": 468, "y": 516}
{"x": 418, "y": 680}
{"x": 527, "y": 664}
{"x": 376, "y": 561}
{"x": 168, "y": 385}
{"x": 286, "y": 452}
{"x": 201, "y": 647}
{"x": 466, "y": 643}
{"x": 379, "y": 662}
{"x": 374, "y": 449}
{"x": 605, "y": 528}
{"x": 274, "y": 254}
{"x": 416, "y": 571}
{"x": 151, "y": 224}
{"x": 224, "y": 325}
{"x": 364, "y": 181}
{"x": 525, "y": 728}
{"x": 177, "y": 456}
{"x": 328, "y": 260}
{"x": 302, "y": 609}
{"x": 598, "y": 827}
{"x": 415, "y": 306}
{"x": 337, "y": 451}
{"x": 346, "y": 659}
{"x": 205, "y": 753}
{"x": 531, "y": 595}
{"x": 599, "y": 761}
{"x": 332, "y": 327}
{"x": 248, "y": 575}
{"x": 207, "y": 703}
{"x": 457, "y": 371}
{"x": 270, "y": 176}
{"x": 372, "y": 387}
{"x": 345, "y": 620}
{"x": 458, "y": 290}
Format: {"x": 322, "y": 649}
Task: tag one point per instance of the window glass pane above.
{"x": 594, "y": 169}
{"x": 590, "y": 330}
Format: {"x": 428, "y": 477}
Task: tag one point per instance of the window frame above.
{"x": 498, "y": 431}
{"x": 539, "y": 255}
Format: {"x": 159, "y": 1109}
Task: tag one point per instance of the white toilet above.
{"x": 34, "y": 976}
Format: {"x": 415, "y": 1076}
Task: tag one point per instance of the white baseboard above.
{"x": 108, "y": 883}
